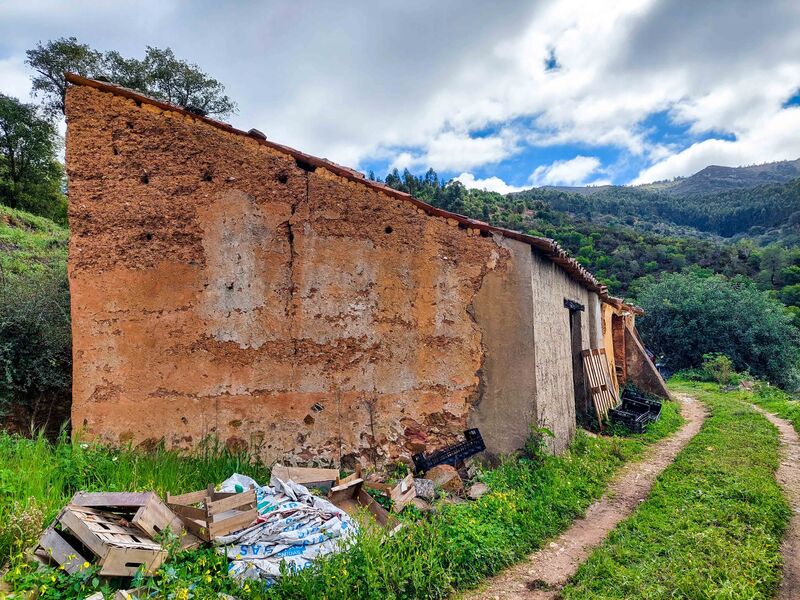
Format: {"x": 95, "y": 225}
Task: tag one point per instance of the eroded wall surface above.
{"x": 503, "y": 309}
{"x": 555, "y": 397}
{"x": 221, "y": 289}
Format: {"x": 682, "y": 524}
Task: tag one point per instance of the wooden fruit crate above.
{"x": 103, "y": 539}
{"x": 209, "y": 514}
{"x": 350, "y": 496}
{"x": 400, "y": 494}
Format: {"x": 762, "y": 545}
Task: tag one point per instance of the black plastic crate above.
{"x": 452, "y": 455}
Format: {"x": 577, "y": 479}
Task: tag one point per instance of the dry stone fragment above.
{"x": 446, "y": 478}
{"x": 425, "y": 489}
{"x": 477, "y": 490}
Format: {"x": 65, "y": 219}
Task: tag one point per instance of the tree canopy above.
{"x": 160, "y": 74}
{"x": 31, "y": 178}
{"x": 692, "y": 314}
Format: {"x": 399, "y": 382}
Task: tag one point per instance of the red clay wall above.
{"x": 220, "y": 289}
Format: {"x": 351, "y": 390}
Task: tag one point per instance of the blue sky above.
{"x": 501, "y": 95}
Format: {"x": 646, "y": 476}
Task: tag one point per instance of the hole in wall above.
{"x": 317, "y": 407}
{"x": 283, "y": 178}
{"x": 388, "y": 229}
{"x": 138, "y": 103}
{"x": 208, "y": 175}
{"x": 148, "y": 236}
{"x": 115, "y": 150}
{"x": 229, "y": 286}
{"x": 145, "y": 178}
{"x": 305, "y": 165}
{"x": 309, "y": 420}
{"x": 485, "y": 233}
{"x": 128, "y": 124}
{"x": 462, "y": 226}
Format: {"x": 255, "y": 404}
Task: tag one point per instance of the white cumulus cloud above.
{"x": 490, "y": 184}
{"x": 575, "y": 171}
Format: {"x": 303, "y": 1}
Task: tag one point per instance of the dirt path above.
{"x": 545, "y": 572}
{"x": 788, "y": 476}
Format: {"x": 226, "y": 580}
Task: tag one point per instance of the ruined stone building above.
{"x": 227, "y": 286}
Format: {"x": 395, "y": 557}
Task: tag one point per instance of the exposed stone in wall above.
{"x": 221, "y": 289}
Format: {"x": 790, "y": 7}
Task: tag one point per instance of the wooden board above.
{"x": 306, "y": 475}
{"x": 601, "y": 386}
{"x": 112, "y": 499}
{"x": 155, "y": 516}
{"x": 59, "y": 550}
{"x": 400, "y": 494}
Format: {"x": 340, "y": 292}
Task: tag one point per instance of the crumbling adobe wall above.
{"x": 220, "y": 288}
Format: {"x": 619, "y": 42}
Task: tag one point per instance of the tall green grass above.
{"x": 40, "y": 477}
{"x": 529, "y": 502}
{"x": 712, "y": 525}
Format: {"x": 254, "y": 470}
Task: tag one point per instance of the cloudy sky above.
{"x": 503, "y": 95}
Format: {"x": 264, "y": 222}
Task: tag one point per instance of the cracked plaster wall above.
{"x": 219, "y": 288}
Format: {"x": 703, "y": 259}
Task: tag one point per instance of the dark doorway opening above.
{"x": 582, "y": 409}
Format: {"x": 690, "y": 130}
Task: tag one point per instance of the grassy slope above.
{"x": 529, "y": 503}
{"x": 712, "y": 525}
{"x": 28, "y": 242}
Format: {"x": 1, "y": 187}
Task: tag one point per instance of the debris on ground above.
{"x": 293, "y": 526}
{"x": 307, "y": 476}
{"x": 257, "y": 527}
{"x": 425, "y": 489}
{"x": 477, "y": 490}
{"x": 451, "y": 455}
{"x": 445, "y": 477}
{"x": 210, "y": 514}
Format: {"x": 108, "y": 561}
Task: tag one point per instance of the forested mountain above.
{"x": 712, "y": 179}
{"x": 628, "y": 235}
{"x": 769, "y": 212}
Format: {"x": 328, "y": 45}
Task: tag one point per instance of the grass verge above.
{"x": 712, "y": 525}
{"x": 458, "y": 546}
{"x": 778, "y": 402}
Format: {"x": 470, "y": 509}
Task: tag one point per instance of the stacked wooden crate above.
{"x": 112, "y": 530}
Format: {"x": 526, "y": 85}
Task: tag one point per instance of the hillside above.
{"x": 717, "y": 179}
{"x": 769, "y": 213}
{"x": 30, "y": 243}
{"x": 709, "y": 180}
{"x": 627, "y": 236}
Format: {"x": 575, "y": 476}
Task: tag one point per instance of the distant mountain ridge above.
{"x": 712, "y": 179}
{"x": 761, "y": 202}
{"x": 718, "y": 179}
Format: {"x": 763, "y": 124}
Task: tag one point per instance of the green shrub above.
{"x": 35, "y": 340}
{"x": 718, "y": 367}
{"x": 690, "y": 315}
